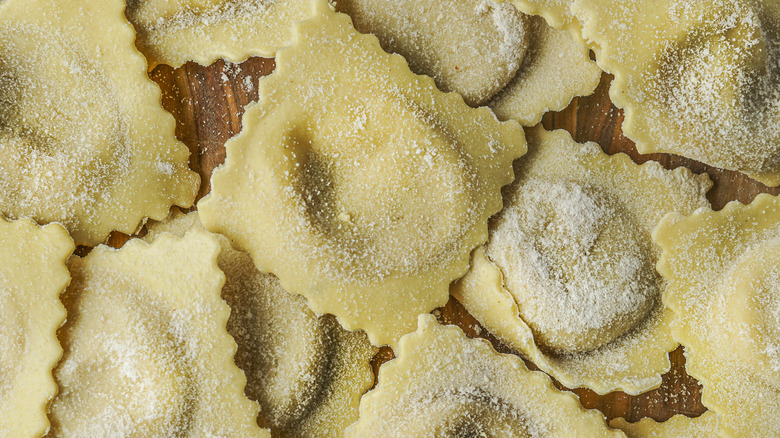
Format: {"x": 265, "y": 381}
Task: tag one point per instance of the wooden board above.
{"x": 208, "y": 102}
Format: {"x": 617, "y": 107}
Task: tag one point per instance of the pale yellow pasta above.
{"x": 443, "y": 384}
{"x": 173, "y": 32}
{"x": 723, "y": 269}
{"x": 84, "y": 139}
{"x": 697, "y": 78}
{"x": 305, "y": 371}
{"x": 567, "y": 277}
{"x": 477, "y": 56}
{"x": 30, "y": 314}
{"x": 679, "y": 426}
{"x": 146, "y": 350}
{"x": 357, "y": 183}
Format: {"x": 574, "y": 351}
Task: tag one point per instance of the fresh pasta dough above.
{"x": 477, "y": 56}
{"x": 305, "y": 371}
{"x": 443, "y": 384}
{"x": 567, "y": 277}
{"x": 696, "y": 78}
{"x": 173, "y": 32}
{"x": 365, "y": 190}
{"x": 491, "y": 54}
{"x": 679, "y": 426}
{"x": 84, "y": 138}
{"x": 556, "y": 67}
{"x": 30, "y": 314}
{"x": 723, "y": 269}
{"x": 146, "y": 351}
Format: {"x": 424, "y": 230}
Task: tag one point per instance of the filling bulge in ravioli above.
{"x": 724, "y": 76}
{"x": 472, "y": 47}
{"x": 355, "y": 191}
{"x": 139, "y": 351}
{"x": 752, "y": 302}
{"x": 468, "y": 412}
{"x": 581, "y": 275}
{"x": 46, "y": 139}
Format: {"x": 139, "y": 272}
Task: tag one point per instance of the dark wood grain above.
{"x": 207, "y": 103}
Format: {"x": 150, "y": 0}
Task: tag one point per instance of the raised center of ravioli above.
{"x": 468, "y": 412}
{"x": 580, "y": 271}
{"x": 753, "y": 307}
{"x": 721, "y": 80}
{"x": 284, "y": 349}
{"x": 385, "y": 202}
{"x": 133, "y": 366}
{"x": 472, "y": 47}
{"x": 60, "y": 121}
{"x": 14, "y": 342}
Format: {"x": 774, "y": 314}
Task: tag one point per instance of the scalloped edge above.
{"x": 46, "y": 318}
{"x": 667, "y": 232}
{"x": 504, "y": 321}
{"x": 478, "y": 234}
{"x": 428, "y": 327}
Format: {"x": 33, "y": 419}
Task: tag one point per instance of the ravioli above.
{"x": 567, "y": 277}
{"x": 146, "y": 351}
{"x": 556, "y": 67}
{"x": 723, "y": 269}
{"x": 305, "y": 371}
{"x": 477, "y": 56}
{"x": 679, "y": 426}
{"x": 364, "y": 190}
{"x": 491, "y": 54}
{"x": 30, "y": 314}
{"x": 84, "y": 138}
{"x": 697, "y": 78}
{"x": 444, "y": 384}
{"x": 173, "y": 32}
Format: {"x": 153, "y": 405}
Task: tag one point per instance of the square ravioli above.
{"x": 146, "y": 350}
{"x": 357, "y": 182}
{"x": 723, "y": 270}
{"x": 84, "y": 138}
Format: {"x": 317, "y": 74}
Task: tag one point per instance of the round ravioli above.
{"x": 30, "y": 314}
{"x": 305, "y": 371}
{"x": 723, "y": 270}
{"x": 443, "y": 384}
{"x": 679, "y": 426}
{"x": 697, "y": 78}
{"x": 556, "y": 67}
{"x": 567, "y": 277}
{"x": 173, "y": 32}
{"x": 477, "y": 56}
{"x": 146, "y": 350}
{"x": 365, "y": 190}
{"x": 84, "y": 138}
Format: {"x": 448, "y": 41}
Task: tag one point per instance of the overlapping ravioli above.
{"x": 567, "y": 277}
{"x": 173, "y": 32}
{"x": 30, "y": 314}
{"x": 679, "y": 426}
{"x": 698, "y": 78}
{"x": 307, "y": 373}
{"x": 357, "y": 183}
{"x": 443, "y": 384}
{"x": 84, "y": 138}
{"x": 556, "y": 67}
{"x": 146, "y": 351}
{"x": 491, "y": 53}
{"x": 477, "y": 56}
{"x": 723, "y": 270}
